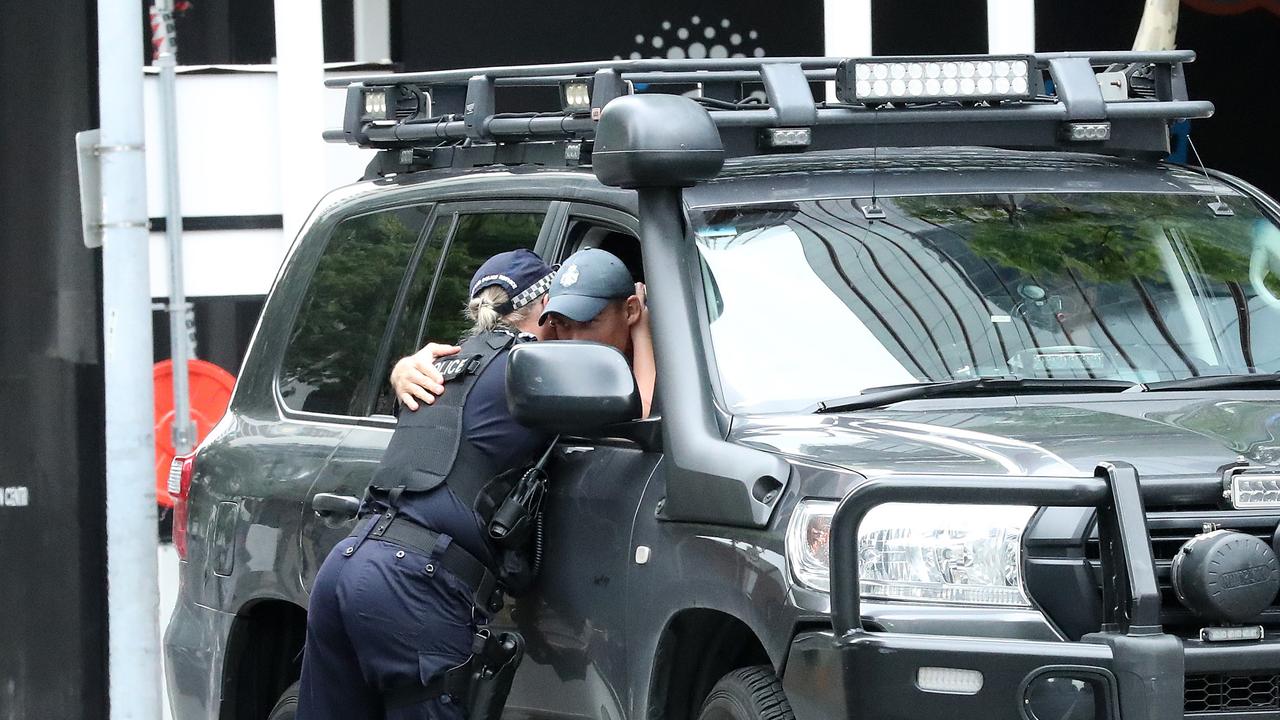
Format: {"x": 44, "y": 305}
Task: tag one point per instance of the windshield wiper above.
{"x": 879, "y": 397}
{"x": 1215, "y": 382}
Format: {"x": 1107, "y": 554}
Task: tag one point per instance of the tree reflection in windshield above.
{"x": 1135, "y": 287}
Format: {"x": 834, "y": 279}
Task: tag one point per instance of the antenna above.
{"x": 873, "y": 211}
{"x": 1219, "y": 208}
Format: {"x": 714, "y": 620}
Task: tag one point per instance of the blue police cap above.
{"x": 585, "y": 284}
{"x": 521, "y": 273}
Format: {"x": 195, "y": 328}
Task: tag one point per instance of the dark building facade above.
{"x": 52, "y": 447}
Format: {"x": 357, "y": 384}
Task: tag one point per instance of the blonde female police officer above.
{"x": 395, "y": 605}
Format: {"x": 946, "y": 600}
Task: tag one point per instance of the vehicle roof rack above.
{"x": 1118, "y": 103}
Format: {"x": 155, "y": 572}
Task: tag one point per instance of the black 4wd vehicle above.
{"x": 966, "y": 402}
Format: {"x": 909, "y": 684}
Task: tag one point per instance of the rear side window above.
{"x": 328, "y": 365}
{"x": 476, "y": 239}
{"x": 408, "y": 331}
{"x": 406, "y": 336}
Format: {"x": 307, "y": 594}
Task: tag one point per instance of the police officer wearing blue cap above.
{"x": 593, "y": 297}
{"x": 392, "y": 623}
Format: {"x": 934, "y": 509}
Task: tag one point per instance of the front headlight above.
{"x": 959, "y": 554}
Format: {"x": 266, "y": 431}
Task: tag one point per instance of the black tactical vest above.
{"x": 427, "y": 448}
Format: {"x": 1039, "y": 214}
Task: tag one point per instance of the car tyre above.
{"x": 749, "y": 693}
{"x": 286, "y": 707}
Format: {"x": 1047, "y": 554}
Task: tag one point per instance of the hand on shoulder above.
{"x": 415, "y": 377}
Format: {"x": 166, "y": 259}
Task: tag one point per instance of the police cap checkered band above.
{"x": 516, "y": 272}
{"x": 533, "y": 292}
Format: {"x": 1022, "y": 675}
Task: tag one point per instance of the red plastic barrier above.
{"x": 210, "y": 389}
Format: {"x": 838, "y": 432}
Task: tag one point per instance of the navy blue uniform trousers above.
{"x": 382, "y": 618}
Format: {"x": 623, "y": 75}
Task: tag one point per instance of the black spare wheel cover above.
{"x": 1226, "y": 576}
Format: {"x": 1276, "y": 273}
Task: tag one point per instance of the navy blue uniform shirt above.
{"x": 487, "y": 424}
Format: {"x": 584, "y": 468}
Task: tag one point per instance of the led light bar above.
{"x": 575, "y": 96}
{"x": 934, "y": 79}
{"x": 1086, "y": 131}
{"x": 1255, "y": 490}
{"x": 781, "y": 138}
{"x": 1231, "y": 634}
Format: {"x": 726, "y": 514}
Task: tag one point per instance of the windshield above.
{"x": 810, "y": 301}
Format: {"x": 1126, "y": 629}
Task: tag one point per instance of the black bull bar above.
{"x": 1137, "y": 670}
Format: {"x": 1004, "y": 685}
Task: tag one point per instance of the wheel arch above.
{"x": 263, "y": 658}
{"x": 697, "y": 647}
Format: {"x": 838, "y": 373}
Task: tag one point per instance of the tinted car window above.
{"x": 476, "y": 238}
{"x": 407, "y": 334}
{"x": 328, "y": 364}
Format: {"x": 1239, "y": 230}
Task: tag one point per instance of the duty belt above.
{"x": 400, "y": 530}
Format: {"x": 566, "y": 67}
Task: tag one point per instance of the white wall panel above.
{"x": 221, "y": 262}
{"x": 228, "y": 144}
{"x": 231, "y": 164}
{"x": 227, "y": 137}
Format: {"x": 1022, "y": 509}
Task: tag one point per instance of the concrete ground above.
{"x": 168, "y": 596}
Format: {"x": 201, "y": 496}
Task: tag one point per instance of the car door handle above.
{"x": 328, "y": 505}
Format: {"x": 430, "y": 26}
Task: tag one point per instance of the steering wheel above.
{"x": 1265, "y": 259}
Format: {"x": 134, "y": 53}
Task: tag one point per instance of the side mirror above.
{"x": 570, "y": 386}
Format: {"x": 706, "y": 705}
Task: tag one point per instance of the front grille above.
{"x": 1229, "y": 693}
{"x": 1169, "y": 531}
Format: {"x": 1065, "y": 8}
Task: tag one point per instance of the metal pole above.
{"x": 301, "y": 97}
{"x": 165, "y": 41}
{"x": 133, "y": 600}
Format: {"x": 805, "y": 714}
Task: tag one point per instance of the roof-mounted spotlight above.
{"x": 591, "y": 94}
{"x": 380, "y": 106}
{"x": 935, "y": 79}
{"x": 575, "y": 96}
{"x": 375, "y": 105}
{"x": 392, "y": 103}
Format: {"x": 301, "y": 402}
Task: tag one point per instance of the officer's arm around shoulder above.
{"x": 416, "y": 378}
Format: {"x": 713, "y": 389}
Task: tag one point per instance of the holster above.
{"x": 495, "y": 659}
{"x": 482, "y": 680}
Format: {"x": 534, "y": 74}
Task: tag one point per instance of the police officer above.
{"x": 394, "y": 611}
{"x": 593, "y": 298}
